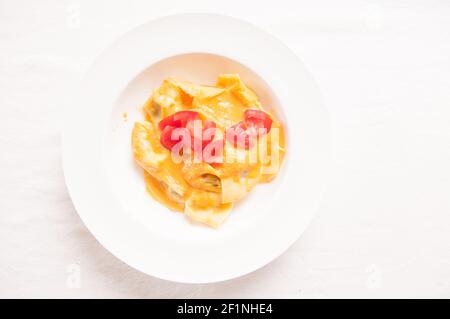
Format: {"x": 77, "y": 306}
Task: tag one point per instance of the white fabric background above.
{"x": 384, "y": 227}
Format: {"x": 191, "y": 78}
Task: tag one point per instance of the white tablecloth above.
{"x": 383, "y": 229}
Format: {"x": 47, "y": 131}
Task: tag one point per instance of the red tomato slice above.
{"x": 239, "y": 136}
{"x": 178, "y": 119}
{"x": 166, "y": 136}
{"x": 258, "y": 120}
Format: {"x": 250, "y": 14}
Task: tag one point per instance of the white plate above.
{"x": 107, "y": 187}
